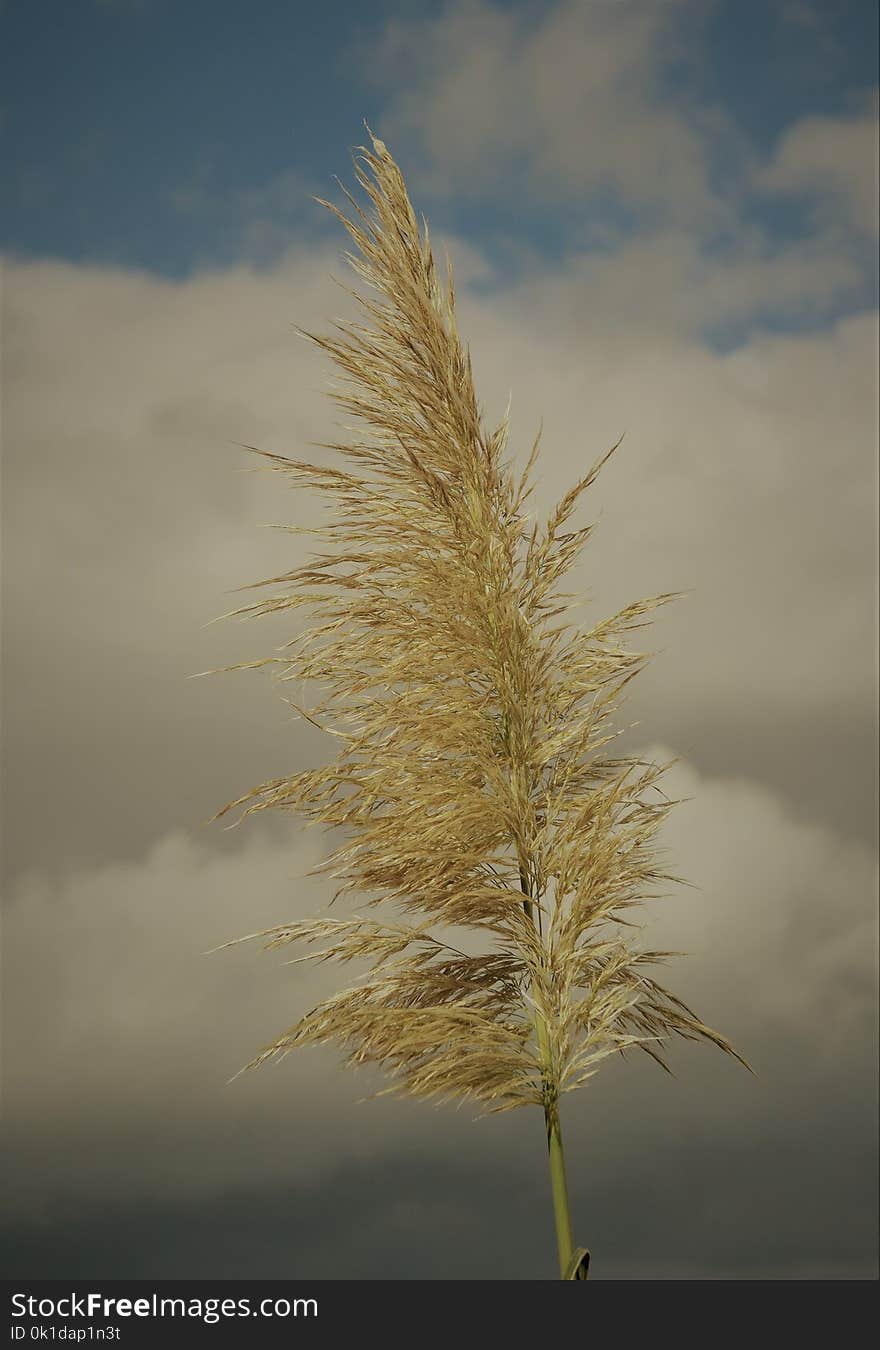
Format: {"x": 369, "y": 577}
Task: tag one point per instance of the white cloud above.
{"x": 554, "y": 103}
{"x": 750, "y": 476}
{"x": 667, "y": 284}
{"x": 782, "y": 933}
{"x": 834, "y": 161}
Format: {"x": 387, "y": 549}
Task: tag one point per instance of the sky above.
{"x": 663, "y": 220}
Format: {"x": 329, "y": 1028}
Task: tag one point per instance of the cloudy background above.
{"x": 663, "y": 218}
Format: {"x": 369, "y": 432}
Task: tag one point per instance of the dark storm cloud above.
{"x": 424, "y": 1218}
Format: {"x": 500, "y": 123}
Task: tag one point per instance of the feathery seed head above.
{"x": 471, "y": 777}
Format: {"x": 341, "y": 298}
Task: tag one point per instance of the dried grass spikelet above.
{"x": 472, "y": 775}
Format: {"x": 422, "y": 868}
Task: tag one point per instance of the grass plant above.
{"x": 499, "y": 844}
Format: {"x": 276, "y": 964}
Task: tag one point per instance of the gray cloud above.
{"x": 704, "y": 1174}
{"x": 128, "y": 524}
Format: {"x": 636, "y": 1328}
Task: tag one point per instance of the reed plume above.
{"x": 473, "y": 776}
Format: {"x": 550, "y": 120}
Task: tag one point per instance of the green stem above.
{"x": 558, "y": 1181}
{"x": 559, "y": 1184}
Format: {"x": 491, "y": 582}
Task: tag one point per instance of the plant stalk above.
{"x": 558, "y": 1180}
